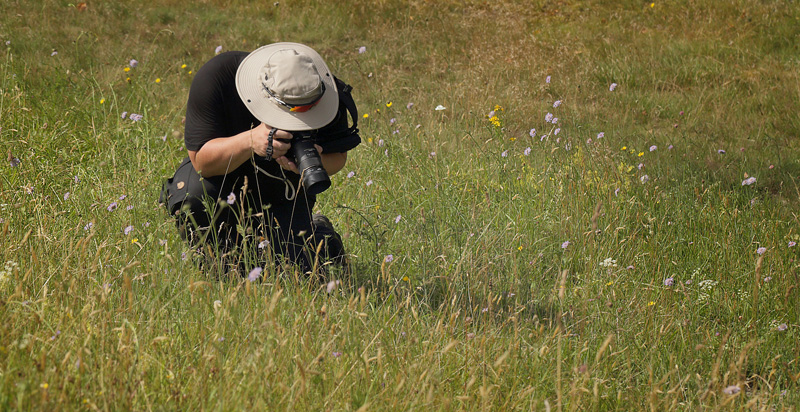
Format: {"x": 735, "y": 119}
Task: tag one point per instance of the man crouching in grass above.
{"x": 241, "y": 183}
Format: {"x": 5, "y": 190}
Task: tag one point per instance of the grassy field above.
{"x": 636, "y": 252}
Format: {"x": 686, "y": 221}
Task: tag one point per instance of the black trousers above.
{"x": 223, "y": 211}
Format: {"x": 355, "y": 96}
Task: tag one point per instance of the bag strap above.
{"x": 346, "y": 99}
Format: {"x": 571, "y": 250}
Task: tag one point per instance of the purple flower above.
{"x": 123, "y": 197}
{"x": 556, "y": 103}
{"x": 133, "y": 63}
{"x": 731, "y": 390}
{"x": 527, "y": 151}
{"x": 721, "y": 151}
{"x": 557, "y": 131}
{"x": 767, "y": 279}
{"x": 792, "y": 243}
{"x": 612, "y": 87}
{"x": 254, "y": 274}
{"x": 669, "y": 282}
{"x": 336, "y": 354}
{"x": 782, "y": 327}
{"x": 66, "y": 196}
{"x": 128, "y": 230}
{"x": 547, "y": 79}
{"x": 76, "y": 179}
{"x": 136, "y": 117}
{"x": 218, "y": 50}
{"x": 388, "y": 258}
{"x": 53, "y": 53}
{"x": 183, "y": 256}
{"x": 392, "y": 120}
{"x": 761, "y": 250}
{"x": 231, "y": 198}
{"x": 397, "y": 219}
{"x": 749, "y": 181}
{"x": 14, "y": 161}
{"x": 532, "y": 133}
{"x": 369, "y": 183}
{"x": 640, "y": 166}
{"x": 124, "y": 115}
{"x": 670, "y": 147}
{"x": 565, "y": 244}
{"x": 380, "y": 142}
{"x": 653, "y": 148}
{"x": 362, "y": 49}
{"x": 129, "y": 207}
{"x": 351, "y": 174}
{"x": 645, "y": 179}
{"x": 331, "y": 286}
{"x": 504, "y": 154}
{"x": 616, "y": 192}
{"x": 409, "y": 105}
{"x": 112, "y": 207}
{"x": 88, "y": 226}
{"x": 601, "y": 135}
{"x": 555, "y": 120}
{"x": 548, "y": 117}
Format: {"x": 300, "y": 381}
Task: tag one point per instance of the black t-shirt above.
{"x": 215, "y": 109}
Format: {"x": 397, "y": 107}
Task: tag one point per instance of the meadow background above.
{"x": 636, "y": 253}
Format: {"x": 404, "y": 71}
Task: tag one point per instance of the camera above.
{"x": 313, "y": 176}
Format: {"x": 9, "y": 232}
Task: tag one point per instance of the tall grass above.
{"x": 617, "y": 264}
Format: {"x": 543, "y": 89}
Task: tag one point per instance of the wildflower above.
{"x": 380, "y": 142}
{"x": 767, "y": 279}
{"x": 264, "y": 243}
{"x": 369, "y": 183}
{"x": 336, "y": 354}
{"x": 669, "y": 282}
{"x": 158, "y": 80}
{"x": 557, "y": 131}
{"x": 547, "y": 79}
{"x": 331, "y": 286}
{"x": 548, "y": 117}
{"x": 721, "y": 151}
{"x": 555, "y": 120}
{"x": 388, "y": 104}
{"x": 136, "y": 117}
{"x": 362, "y": 49}
{"x": 124, "y": 115}
{"x": 681, "y": 113}
{"x": 644, "y": 179}
{"x": 128, "y": 230}
{"x": 612, "y": 87}
{"x": 504, "y": 154}
{"x": 53, "y": 53}
{"x": 392, "y": 120}
{"x": 366, "y": 115}
{"x": 616, "y": 192}
{"x": 532, "y": 133}
{"x": 133, "y": 63}
{"x": 440, "y": 108}
{"x": 761, "y": 250}
{"x": 351, "y": 174}
{"x": 484, "y": 310}
{"x": 749, "y": 181}
{"x": 112, "y": 207}
{"x": 218, "y": 50}
{"x": 669, "y": 147}
{"x": 601, "y": 135}
{"x": 102, "y": 101}
{"x": 653, "y": 148}
{"x": 609, "y": 263}
{"x": 66, "y": 196}
{"x": 127, "y": 69}
{"x": 14, "y": 161}
{"x": 651, "y": 303}
{"x": 640, "y": 166}
{"x": 388, "y": 258}
{"x": 398, "y": 218}
{"x": 556, "y": 103}
{"x": 183, "y": 256}
{"x": 565, "y": 244}
{"x": 731, "y": 390}
{"x": 782, "y": 327}
{"x": 254, "y": 274}
{"x": 792, "y": 243}
{"x": 409, "y": 105}
{"x": 88, "y": 226}
{"x": 527, "y": 151}
{"x": 640, "y": 154}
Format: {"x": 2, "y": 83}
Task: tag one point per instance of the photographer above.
{"x": 255, "y": 123}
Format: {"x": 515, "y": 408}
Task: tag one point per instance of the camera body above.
{"x": 313, "y": 176}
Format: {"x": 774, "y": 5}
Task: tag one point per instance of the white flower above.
{"x": 440, "y": 108}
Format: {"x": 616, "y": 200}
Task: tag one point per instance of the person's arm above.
{"x": 225, "y": 154}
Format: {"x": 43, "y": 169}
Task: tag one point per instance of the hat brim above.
{"x": 250, "y": 89}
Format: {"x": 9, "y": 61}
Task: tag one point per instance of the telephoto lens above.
{"x": 314, "y": 177}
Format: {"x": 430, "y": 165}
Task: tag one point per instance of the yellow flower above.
{"x": 519, "y": 248}
{"x": 513, "y": 139}
{"x": 135, "y": 240}
{"x": 128, "y": 79}
{"x": 651, "y": 303}
{"x": 405, "y": 278}
{"x": 366, "y": 115}
{"x": 102, "y": 101}
{"x": 641, "y": 154}
{"x": 652, "y": 5}
{"x": 190, "y": 72}
{"x": 127, "y": 69}
{"x": 389, "y": 104}
{"x": 183, "y": 66}
{"x": 44, "y": 385}
{"x": 498, "y": 107}
{"x": 369, "y": 140}
{"x": 158, "y": 80}
{"x": 610, "y": 283}
{"x": 624, "y": 148}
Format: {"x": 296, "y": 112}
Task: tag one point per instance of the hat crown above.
{"x": 292, "y": 77}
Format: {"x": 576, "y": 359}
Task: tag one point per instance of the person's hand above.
{"x": 259, "y": 140}
{"x": 290, "y": 165}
